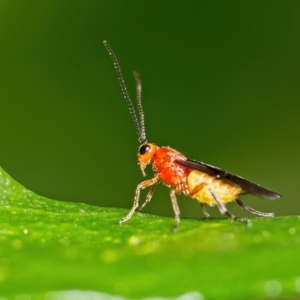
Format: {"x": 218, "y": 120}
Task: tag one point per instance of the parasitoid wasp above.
{"x": 198, "y": 180}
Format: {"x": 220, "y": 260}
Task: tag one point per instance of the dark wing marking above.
{"x": 230, "y": 178}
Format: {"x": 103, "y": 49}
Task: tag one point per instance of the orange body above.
{"x": 192, "y": 183}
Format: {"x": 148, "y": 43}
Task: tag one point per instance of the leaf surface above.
{"x": 49, "y": 246}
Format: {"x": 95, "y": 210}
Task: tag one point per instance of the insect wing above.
{"x": 230, "y": 178}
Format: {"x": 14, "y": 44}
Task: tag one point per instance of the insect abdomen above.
{"x": 200, "y": 184}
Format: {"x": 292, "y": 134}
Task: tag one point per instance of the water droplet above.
{"x": 65, "y": 241}
{"x": 272, "y": 288}
{"x": 80, "y": 295}
{"x": 25, "y": 231}
{"x": 191, "y": 296}
{"x": 298, "y": 284}
{"x": 266, "y": 234}
{"x": 228, "y": 236}
{"x": 133, "y": 241}
{"x": 292, "y": 231}
{"x": 155, "y": 244}
{"x": 120, "y": 286}
{"x": 109, "y": 256}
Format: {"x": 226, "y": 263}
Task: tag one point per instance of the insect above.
{"x": 207, "y": 184}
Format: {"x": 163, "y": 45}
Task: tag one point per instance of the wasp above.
{"x": 207, "y": 184}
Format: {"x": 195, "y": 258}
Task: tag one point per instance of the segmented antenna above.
{"x": 140, "y": 132}
{"x": 139, "y": 102}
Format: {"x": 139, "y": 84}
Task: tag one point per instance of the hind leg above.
{"x": 252, "y": 210}
{"x": 223, "y": 210}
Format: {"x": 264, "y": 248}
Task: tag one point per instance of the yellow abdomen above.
{"x": 200, "y": 183}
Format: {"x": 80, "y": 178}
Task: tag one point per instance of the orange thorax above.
{"x": 170, "y": 172}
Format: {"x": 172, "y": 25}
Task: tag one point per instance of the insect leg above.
{"x": 223, "y": 209}
{"x": 196, "y": 190}
{"x": 175, "y": 208}
{"x": 252, "y": 210}
{"x": 142, "y": 185}
{"x": 148, "y": 197}
{"x": 204, "y": 210}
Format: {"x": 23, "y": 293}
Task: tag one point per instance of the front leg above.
{"x": 142, "y": 185}
{"x": 148, "y": 197}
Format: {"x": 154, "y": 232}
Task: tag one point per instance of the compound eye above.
{"x": 144, "y": 148}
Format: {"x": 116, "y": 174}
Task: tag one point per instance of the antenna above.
{"x": 139, "y": 102}
{"x": 140, "y": 132}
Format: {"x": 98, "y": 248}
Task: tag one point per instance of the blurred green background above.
{"x": 220, "y": 84}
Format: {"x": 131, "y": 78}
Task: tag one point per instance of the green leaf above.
{"x": 49, "y": 249}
